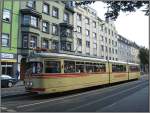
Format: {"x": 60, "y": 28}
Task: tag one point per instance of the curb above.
{"x": 15, "y": 95}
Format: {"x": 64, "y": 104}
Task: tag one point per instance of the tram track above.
{"x": 32, "y": 101}
{"x": 76, "y": 101}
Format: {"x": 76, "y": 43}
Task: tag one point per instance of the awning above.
{"x": 8, "y": 60}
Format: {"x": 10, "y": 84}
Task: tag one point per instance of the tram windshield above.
{"x": 34, "y": 67}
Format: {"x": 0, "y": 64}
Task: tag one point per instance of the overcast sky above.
{"x": 133, "y": 26}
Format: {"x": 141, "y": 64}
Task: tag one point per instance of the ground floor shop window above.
{"x": 7, "y": 68}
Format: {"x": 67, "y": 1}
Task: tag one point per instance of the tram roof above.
{"x": 75, "y": 57}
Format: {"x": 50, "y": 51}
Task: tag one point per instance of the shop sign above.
{"x": 6, "y": 55}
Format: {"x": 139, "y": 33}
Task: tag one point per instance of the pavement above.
{"x": 17, "y": 90}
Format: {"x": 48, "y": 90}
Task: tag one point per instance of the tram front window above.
{"x": 34, "y": 67}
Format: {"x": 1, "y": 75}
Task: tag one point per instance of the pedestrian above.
{"x": 17, "y": 74}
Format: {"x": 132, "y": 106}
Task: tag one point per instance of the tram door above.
{"x": 31, "y": 69}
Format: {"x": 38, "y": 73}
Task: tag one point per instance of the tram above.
{"x": 53, "y": 72}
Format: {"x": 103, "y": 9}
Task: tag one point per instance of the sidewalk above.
{"x": 16, "y": 90}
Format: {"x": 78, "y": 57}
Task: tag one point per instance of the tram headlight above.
{"x": 30, "y": 84}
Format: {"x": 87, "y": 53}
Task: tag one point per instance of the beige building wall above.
{"x": 103, "y": 30}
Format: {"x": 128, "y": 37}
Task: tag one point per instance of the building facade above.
{"x": 45, "y": 26}
{"x": 94, "y": 37}
{"x": 128, "y": 51}
{"x": 9, "y": 26}
{"x": 57, "y": 26}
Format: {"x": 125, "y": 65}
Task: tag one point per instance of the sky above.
{"x": 133, "y": 26}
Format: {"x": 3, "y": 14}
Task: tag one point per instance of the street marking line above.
{"x": 93, "y": 102}
{"x": 32, "y": 104}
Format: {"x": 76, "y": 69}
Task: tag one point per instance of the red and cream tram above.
{"x": 52, "y": 72}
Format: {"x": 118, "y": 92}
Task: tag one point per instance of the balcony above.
{"x": 31, "y": 12}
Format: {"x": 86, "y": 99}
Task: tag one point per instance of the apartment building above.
{"x": 128, "y": 50}
{"x": 93, "y": 36}
{"x": 44, "y": 26}
{"x": 9, "y": 24}
{"x": 108, "y": 40}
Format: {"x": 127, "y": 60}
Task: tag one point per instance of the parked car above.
{"x": 7, "y": 81}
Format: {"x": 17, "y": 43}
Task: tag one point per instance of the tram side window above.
{"x": 79, "y": 67}
{"x": 89, "y": 67}
{"x": 35, "y": 66}
{"x": 95, "y": 67}
{"x": 100, "y": 68}
{"x": 134, "y": 68}
{"x": 52, "y": 67}
{"x": 118, "y": 68}
{"x": 69, "y": 66}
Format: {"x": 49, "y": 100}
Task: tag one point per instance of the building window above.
{"x": 87, "y": 32}
{"x": 45, "y": 27}
{"x": 113, "y": 50}
{"x": 46, "y": 8}
{"x": 55, "y": 29}
{"x": 5, "y": 40}
{"x": 106, "y": 58}
{"x": 109, "y": 31}
{"x": 94, "y": 35}
{"x": 79, "y": 42}
{"x": 109, "y": 58}
{"x": 106, "y": 49}
{"x": 94, "y": 24}
{"x": 26, "y": 19}
{"x": 109, "y": 50}
{"x": 105, "y": 30}
{"x": 106, "y": 39}
{"x": 116, "y": 51}
{"x": 34, "y": 21}
{"x": 6, "y": 15}
{"x": 33, "y": 42}
{"x": 31, "y": 3}
{"x": 78, "y": 17}
{"x": 55, "y": 12}
{"x": 102, "y": 38}
{"x": 66, "y": 17}
{"x": 45, "y": 43}
{"x": 68, "y": 46}
{"x": 79, "y": 29}
{"x": 88, "y": 44}
{"x": 55, "y": 45}
{"x": 102, "y": 47}
{"x": 116, "y": 43}
{"x": 109, "y": 41}
{"x": 87, "y": 21}
{"x": 25, "y": 41}
{"x": 112, "y": 42}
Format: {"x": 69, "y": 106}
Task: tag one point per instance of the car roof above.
{"x": 6, "y": 76}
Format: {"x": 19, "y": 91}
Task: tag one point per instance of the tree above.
{"x": 114, "y": 7}
{"x": 125, "y": 6}
{"x": 144, "y": 57}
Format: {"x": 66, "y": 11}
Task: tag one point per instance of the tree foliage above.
{"x": 144, "y": 56}
{"x": 116, "y": 6}
{"x": 125, "y": 6}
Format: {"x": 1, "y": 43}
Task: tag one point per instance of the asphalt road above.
{"x": 127, "y": 97}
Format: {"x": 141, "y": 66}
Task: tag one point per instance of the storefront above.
{"x": 8, "y": 64}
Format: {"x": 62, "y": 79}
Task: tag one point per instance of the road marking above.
{"x": 93, "y": 102}
{"x": 4, "y": 109}
{"x": 101, "y": 91}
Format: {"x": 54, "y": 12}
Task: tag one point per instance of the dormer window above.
{"x": 31, "y": 3}
{"x": 6, "y": 15}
